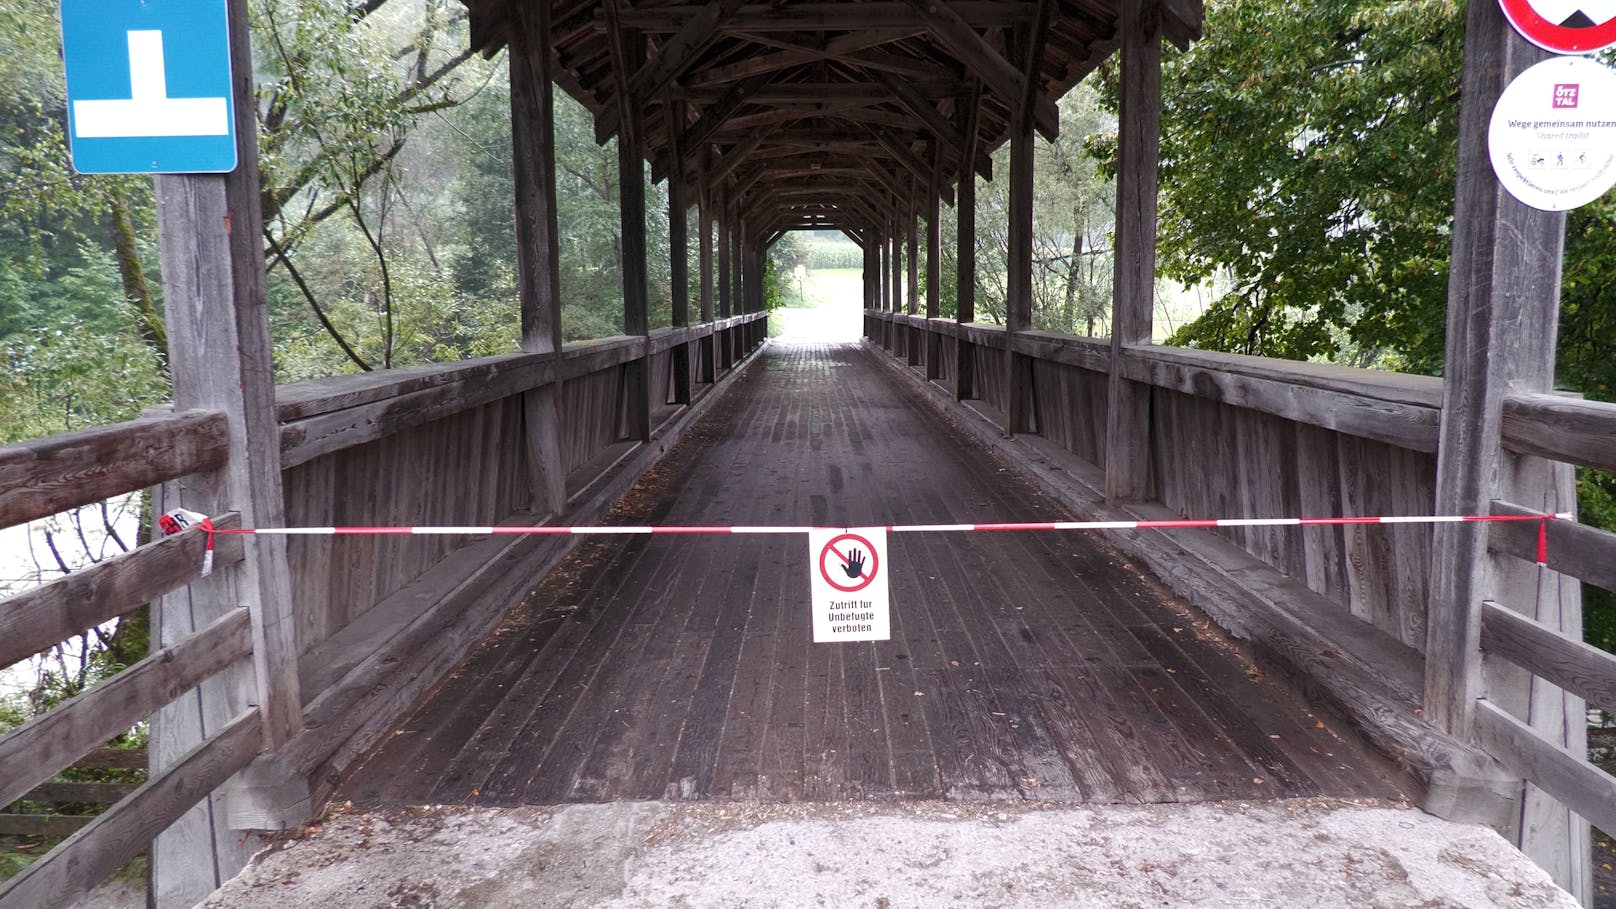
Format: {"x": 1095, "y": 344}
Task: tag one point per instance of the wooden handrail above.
{"x": 1562, "y": 428}
{"x": 51, "y": 613}
{"x": 40, "y": 748}
{"x": 1583, "y": 670}
{"x": 1589, "y": 791}
{"x": 1585, "y": 553}
{"x": 84, "y": 859}
{"x": 41, "y": 477}
{"x": 1394, "y": 408}
{"x": 328, "y": 415}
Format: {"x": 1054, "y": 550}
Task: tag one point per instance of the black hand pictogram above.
{"x": 855, "y": 565}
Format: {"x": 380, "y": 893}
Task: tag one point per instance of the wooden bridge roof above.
{"x": 824, "y": 114}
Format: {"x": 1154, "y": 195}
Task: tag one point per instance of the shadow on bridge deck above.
{"x": 1037, "y": 666}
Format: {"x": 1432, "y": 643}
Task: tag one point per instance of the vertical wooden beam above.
{"x": 210, "y": 244}
{"x": 538, "y": 254}
{"x": 911, "y": 229}
{"x": 934, "y": 266}
{"x": 678, "y": 250}
{"x": 965, "y": 253}
{"x": 1503, "y": 307}
{"x": 1127, "y": 437}
{"x": 631, "y": 204}
{"x": 1018, "y": 277}
{"x": 724, "y": 265}
{"x": 704, "y": 264}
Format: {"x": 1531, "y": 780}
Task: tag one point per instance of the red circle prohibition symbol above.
{"x": 864, "y": 579}
{"x": 1530, "y": 21}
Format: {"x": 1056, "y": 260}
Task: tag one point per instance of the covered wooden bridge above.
{"x": 1434, "y": 662}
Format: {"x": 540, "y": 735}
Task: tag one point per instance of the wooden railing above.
{"x": 1235, "y": 436}
{"x": 1569, "y": 430}
{"x": 436, "y": 444}
{"x": 52, "y": 475}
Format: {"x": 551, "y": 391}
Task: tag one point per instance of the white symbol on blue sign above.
{"x": 148, "y": 86}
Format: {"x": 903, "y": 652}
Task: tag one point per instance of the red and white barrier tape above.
{"x": 184, "y": 519}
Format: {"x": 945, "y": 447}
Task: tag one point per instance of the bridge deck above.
{"x": 1036, "y": 666}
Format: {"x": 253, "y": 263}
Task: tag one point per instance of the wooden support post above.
{"x": 1127, "y": 437}
{"x": 724, "y": 247}
{"x": 934, "y": 268}
{"x": 704, "y": 262}
{"x": 678, "y": 253}
{"x": 1503, "y": 307}
{"x": 631, "y": 202}
{"x": 872, "y": 276}
{"x": 538, "y": 281}
{"x": 211, "y": 246}
{"x": 1018, "y": 277}
{"x": 965, "y": 252}
{"x": 911, "y": 335}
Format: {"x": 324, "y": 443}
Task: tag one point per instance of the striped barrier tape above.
{"x": 181, "y": 519}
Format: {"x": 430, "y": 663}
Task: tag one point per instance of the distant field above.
{"x": 830, "y": 307}
{"x": 831, "y": 300}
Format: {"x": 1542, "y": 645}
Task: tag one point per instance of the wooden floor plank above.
{"x": 1022, "y": 666}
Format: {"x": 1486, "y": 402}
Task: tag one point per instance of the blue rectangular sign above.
{"x": 148, "y": 86}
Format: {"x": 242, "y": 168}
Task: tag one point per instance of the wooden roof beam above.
{"x": 737, "y": 156}
{"x": 677, "y": 53}
{"x": 1182, "y": 21}
{"x": 945, "y": 131}
{"x": 958, "y": 33}
{"x": 839, "y": 46}
{"x": 813, "y": 17}
{"x": 911, "y": 162}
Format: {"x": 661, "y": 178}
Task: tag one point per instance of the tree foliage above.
{"x": 1308, "y": 152}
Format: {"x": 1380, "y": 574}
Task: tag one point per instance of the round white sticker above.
{"x": 1553, "y": 134}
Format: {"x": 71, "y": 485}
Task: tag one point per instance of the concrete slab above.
{"x": 1313, "y": 853}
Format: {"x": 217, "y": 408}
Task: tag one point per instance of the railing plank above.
{"x": 41, "y": 477}
{"x": 1589, "y": 791}
{"x": 328, "y": 415}
{"x": 86, "y": 858}
{"x": 1338, "y": 400}
{"x": 1586, "y": 553}
{"x": 1588, "y": 672}
{"x": 40, "y": 748}
{"x": 76, "y": 793}
{"x": 1561, "y": 428}
{"x": 51, "y": 825}
{"x": 51, "y": 613}
{"x": 309, "y": 438}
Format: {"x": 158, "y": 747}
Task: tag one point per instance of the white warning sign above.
{"x": 847, "y": 582}
{"x": 1553, "y": 134}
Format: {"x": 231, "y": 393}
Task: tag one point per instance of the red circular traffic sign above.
{"x": 844, "y": 558}
{"x": 1564, "y": 26}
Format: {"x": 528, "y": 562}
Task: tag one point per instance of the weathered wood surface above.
{"x": 1502, "y": 316}
{"x": 41, "y": 477}
{"x": 1587, "y": 671}
{"x": 75, "y": 793}
{"x": 1565, "y": 776}
{"x": 1387, "y": 407}
{"x": 1561, "y": 428}
{"x": 51, "y": 613}
{"x": 682, "y": 668}
{"x": 68, "y": 872}
{"x": 1133, "y": 291}
{"x": 47, "y": 825}
{"x": 467, "y": 468}
{"x": 1586, "y": 553}
{"x": 1364, "y": 673}
{"x": 359, "y": 678}
{"x": 40, "y": 748}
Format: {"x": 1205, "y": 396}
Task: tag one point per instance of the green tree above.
{"x": 1308, "y": 150}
